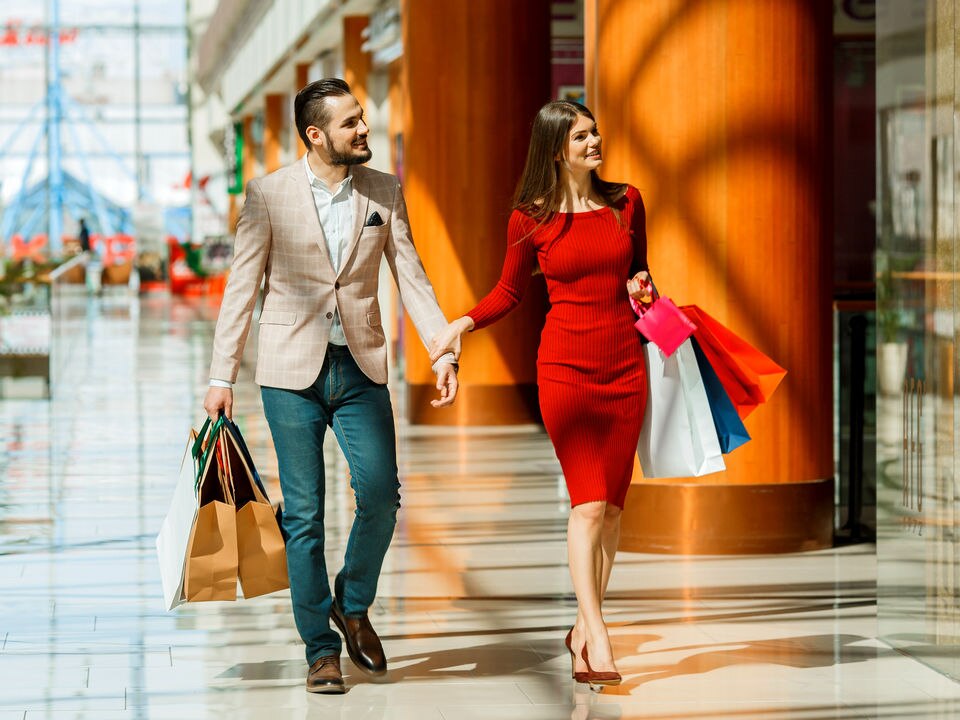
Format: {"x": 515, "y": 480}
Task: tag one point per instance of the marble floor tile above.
{"x": 473, "y": 603}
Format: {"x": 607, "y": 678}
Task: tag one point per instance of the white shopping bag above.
{"x": 174, "y": 537}
{"x": 679, "y": 438}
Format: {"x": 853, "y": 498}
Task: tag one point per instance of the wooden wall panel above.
{"x": 476, "y": 74}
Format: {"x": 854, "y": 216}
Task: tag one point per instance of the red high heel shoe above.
{"x": 605, "y": 677}
{"x": 578, "y": 676}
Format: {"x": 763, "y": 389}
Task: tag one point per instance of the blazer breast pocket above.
{"x": 374, "y": 231}
{"x": 277, "y": 317}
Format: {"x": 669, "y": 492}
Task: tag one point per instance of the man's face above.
{"x": 344, "y": 140}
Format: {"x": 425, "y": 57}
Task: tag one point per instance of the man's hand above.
{"x": 447, "y": 385}
{"x": 448, "y": 339}
{"x": 221, "y": 398}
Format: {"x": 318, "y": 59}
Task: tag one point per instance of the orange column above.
{"x": 272, "y": 129}
{"x": 303, "y": 75}
{"x": 233, "y": 214}
{"x": 356, "y": 62}
{"x": 718, "y": 111}
{"x": 248, "y": 166}
{"x": 476, "y": 74}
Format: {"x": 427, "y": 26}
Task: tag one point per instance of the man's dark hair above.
{"x": 310, "y": 106}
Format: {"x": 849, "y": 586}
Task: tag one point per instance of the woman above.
{"x": 589, "y": 238}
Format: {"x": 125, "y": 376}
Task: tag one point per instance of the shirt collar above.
{"x": 318, "y": 183}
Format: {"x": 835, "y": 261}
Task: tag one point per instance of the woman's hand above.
{"x": 448, "y": 339}
{"x": 640, "y": 287}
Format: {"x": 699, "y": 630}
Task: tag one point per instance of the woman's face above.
{"x": 582, "y": 152}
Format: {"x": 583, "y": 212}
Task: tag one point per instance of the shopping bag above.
{"x": 245, "y": 452}
{"x": 748, "y": 376}
{"x": 177, "y": 525}
{"x": 730, "y": 428}
{"x": 211, "y": 567}
{"x": 262, "y": 557}
{"x": 678, "y": 437}
{"x": 662, "y": 323}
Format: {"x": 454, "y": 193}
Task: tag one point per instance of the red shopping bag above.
{"x": 748, "y": 376}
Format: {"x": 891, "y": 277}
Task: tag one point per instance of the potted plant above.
{"x": 892, "y": 348}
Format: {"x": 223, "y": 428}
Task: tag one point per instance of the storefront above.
{"x": 917, "y": 292}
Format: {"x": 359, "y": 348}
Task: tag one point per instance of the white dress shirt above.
{"x": 335, "y": 211}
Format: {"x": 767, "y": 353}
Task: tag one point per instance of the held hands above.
{"x": 217, "y": 399}
{"x": 448, "y": 339}
{"x": 447, "y": 385}
{"x": 640, "y": 287}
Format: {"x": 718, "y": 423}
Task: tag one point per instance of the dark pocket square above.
{"x": 374, "y": 220}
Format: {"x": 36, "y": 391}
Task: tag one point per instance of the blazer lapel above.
{"x": 359, "y": 200}
{"x": 307, "y": 208}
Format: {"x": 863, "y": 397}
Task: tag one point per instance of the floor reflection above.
{"x": 473, "y": 603}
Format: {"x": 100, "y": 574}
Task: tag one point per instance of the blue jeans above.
{"x": 360, "y": 414}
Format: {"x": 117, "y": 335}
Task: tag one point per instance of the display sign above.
{"x": 15, "y": 34}
{"x": 233, "y": 152}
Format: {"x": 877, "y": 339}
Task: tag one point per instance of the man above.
{"x": 84, "y": 236}
{"x": 317, "y": 230}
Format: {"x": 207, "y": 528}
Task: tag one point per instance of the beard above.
{"x": 348, "y": 155}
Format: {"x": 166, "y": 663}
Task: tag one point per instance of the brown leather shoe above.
{"x": 363, "y": 645}
{"x": 324, "y": 676}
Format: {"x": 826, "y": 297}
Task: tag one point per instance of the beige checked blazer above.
{"x": 279, "y": 238}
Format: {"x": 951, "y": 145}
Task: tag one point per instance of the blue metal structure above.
{"x": 54, "y": 90}
{"x": 27, "y": 218}
{"x": 59, "y": 190}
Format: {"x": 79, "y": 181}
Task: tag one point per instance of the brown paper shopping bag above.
{"x": 211, "y": 568}
{"x": 261, "y": 550}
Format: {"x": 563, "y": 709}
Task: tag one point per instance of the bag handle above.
{"x": 224, "y": 468}
{"x": 198, "y": 445}
{"x": 641, "y": 309}
{"x": 231, "y": 440}
{"x": 234, "y": 430}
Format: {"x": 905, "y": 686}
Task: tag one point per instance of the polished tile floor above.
{"x": 474, "y": 599}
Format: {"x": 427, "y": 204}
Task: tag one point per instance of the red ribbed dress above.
{"x": 590, "y": 368}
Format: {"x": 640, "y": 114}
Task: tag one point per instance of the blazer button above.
{"x": 329, "y": 315}
{"x": 336, "y": 286}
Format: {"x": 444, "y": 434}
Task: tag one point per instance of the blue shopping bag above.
{"x": 730, "y": 428}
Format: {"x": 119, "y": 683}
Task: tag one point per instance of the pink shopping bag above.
{"x": 663, "y": 324}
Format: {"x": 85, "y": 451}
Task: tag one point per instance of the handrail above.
{"x": 79, "y": 260}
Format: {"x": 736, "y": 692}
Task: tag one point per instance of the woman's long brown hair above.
{"x": 539, "y": 193}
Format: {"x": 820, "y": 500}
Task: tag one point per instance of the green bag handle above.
{"x": 217, "y": 427}
{"x": 198, "y": 443}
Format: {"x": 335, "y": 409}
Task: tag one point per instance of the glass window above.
{"x": 918, "y": 313}
{"x": 123, "y": 133}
